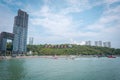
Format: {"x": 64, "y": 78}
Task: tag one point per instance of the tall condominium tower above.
{"x": 88, "y": 43}
{"x": 20, "y": 30}
{"x": 98, "y": 43}
{"x": 31, "y": 41}
{"x": 107, "y": 44}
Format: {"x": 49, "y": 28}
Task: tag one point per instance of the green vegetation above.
{"x": 74, "y": 50}
{"x": 9, "y": 46}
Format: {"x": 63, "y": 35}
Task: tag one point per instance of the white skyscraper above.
{"x": 107, "y": 44}
{"x": 88, "y": 43}
{"x": 98, "y": 43}
{"x": 31, "y": 41}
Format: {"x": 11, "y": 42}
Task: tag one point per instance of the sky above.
{"x": 65, "y": 21}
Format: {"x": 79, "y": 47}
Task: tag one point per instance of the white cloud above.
{"x": 110, "y": 16}
{"x": 76, "y": 42}
{"x": 43, "y": 11}
{"x": 57, "y": 24}
{"x": 76, "y": 6}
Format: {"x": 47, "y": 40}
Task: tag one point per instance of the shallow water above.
{"x": 60, "y": 69}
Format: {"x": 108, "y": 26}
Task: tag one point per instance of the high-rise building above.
{"x": 98, "y": 43}
{"x": 107, "y": 44}
{"x": 4, "y": 36}
{"x": 88, "y": 43}
{"x": 31, "y": 41}
{"x": 20, "y": 30}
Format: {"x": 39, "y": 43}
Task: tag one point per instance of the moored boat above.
{"x": 111, "y": 56}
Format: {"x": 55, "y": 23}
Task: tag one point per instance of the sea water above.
{"x": 60, "y": 69}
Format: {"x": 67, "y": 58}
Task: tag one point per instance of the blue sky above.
{"x": 66, "y": 21}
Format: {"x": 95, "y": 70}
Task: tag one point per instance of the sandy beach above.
{"x": 53, "y": 57}
{"x": 49, "y": 57}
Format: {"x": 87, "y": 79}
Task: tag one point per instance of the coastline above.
{"x": 55, "y": 57}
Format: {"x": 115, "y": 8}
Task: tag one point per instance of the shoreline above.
{"x": 55, "y": 57}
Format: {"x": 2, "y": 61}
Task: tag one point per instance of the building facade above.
{"x": 98, "y": 43}
{"x": 107, "y": 44}
{"x": 20, "y": 30}
{"x": 88, "y": 43}
{"x": 31, "y": 41}
{"x": 3, "y": 41}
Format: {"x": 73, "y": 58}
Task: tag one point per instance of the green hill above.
{"x": 74, "y": 50}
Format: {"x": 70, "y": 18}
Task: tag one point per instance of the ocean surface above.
{"x": 60, "y": 69}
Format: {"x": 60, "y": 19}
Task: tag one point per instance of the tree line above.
{"x": 74, "y": 50}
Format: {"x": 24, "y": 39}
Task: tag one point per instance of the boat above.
{"x": 111, "y": 56}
